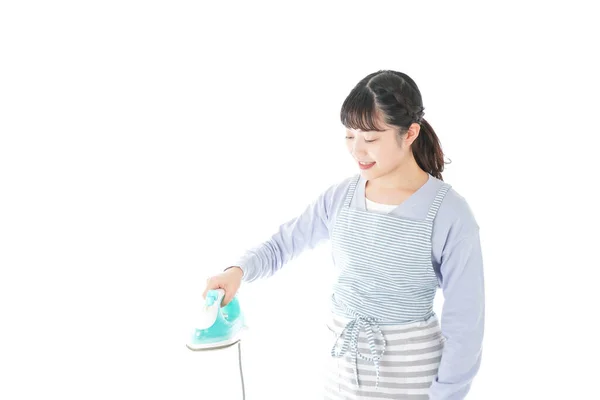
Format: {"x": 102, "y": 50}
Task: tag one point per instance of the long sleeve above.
{"x": 293, "y": 237}
{"x": 462, "y": 321}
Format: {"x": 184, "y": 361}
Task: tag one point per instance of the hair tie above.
{"x": 417, "y": 117}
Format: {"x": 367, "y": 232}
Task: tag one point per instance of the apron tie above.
{"x": 350, "y": 333}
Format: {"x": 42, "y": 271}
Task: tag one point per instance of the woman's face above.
{"x": 383, "y": 152}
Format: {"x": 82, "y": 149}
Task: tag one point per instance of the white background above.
{"x": 145, "y": 145}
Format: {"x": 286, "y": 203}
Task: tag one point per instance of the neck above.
{"x": 408, "y": 176}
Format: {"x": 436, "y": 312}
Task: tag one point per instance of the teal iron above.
{"x": 218, "y": 327}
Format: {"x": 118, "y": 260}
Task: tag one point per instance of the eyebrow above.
{"x": 370, "y": 135}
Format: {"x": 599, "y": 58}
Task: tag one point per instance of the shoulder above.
{"x": 332, "y": 198}
{"x": 339, "y": 189}
{"x": 455, "y": 216}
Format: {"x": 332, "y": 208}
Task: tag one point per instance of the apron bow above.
{"x": 350, "y": 334}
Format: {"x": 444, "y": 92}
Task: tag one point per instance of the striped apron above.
{"x": 386, "y": 338}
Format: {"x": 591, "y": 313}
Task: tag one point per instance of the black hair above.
{"x": 394, "y": 97}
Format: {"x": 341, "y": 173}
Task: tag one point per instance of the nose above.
{"x": 357, "y": 148}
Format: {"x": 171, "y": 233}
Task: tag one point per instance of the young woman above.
{"x": 398, "y": 233}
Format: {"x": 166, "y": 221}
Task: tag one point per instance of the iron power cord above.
{"x": 241, "y": 373}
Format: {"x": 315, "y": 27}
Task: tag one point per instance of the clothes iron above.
{"x": 218, "y": 327}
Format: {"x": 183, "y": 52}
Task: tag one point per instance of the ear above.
{"x": 412, "y": 134}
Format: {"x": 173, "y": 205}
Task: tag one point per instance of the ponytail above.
{"x": 428, "y": 151}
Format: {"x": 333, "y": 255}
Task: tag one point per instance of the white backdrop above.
{"x": 145, "y": 145}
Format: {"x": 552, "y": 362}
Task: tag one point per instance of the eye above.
{"x": 366, "y": 141}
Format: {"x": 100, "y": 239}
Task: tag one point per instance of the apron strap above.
{"x": 351, "y": 191}
{"x": 435, "y": 206}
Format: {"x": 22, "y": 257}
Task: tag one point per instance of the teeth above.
{"x": 365, "y": 163}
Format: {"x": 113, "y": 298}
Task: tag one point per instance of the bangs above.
{"x": 360, "y": 111}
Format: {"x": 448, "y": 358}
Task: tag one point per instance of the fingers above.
{"x": 228, "y": 282}
{"x": 211, "y": 283}
{"x": 227, "y": 298}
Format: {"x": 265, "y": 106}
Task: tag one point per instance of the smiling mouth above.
{"x": 366, "y": 165}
